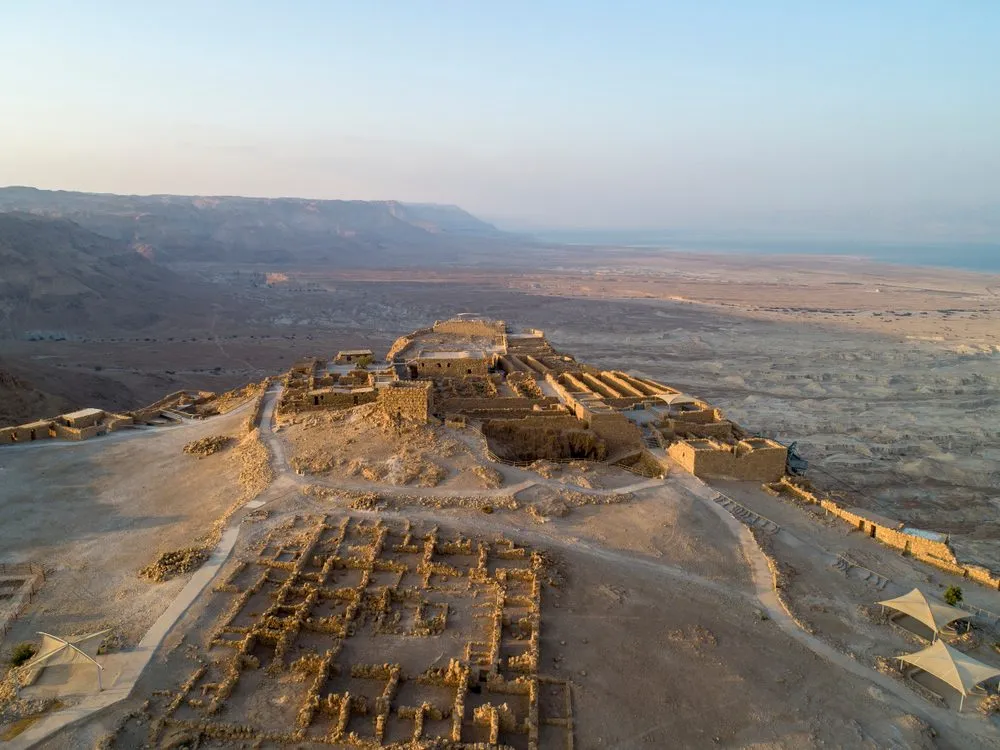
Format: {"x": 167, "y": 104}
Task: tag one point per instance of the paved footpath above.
{"x": 125, "y": 667}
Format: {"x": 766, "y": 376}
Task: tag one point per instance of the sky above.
{"x": 802, "y": 116}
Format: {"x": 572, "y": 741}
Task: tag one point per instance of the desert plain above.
{"x": 660, "y": 621}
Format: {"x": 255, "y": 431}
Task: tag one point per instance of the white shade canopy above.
{"x": 73, "y": 651}
{"x": 959, "y": 670}
{"x": 675, "y": 398}
{"x": 930, "y": 612}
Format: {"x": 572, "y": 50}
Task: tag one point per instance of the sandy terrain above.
{"x": 714, "y": 672}
{"x": 897, "y": 409}
{"x": 352, "y": 444}
{"x": 903, "y": 408}
{"x": 832, "y": 600}
{"x": 656, "y": 587}
{"x": 94, "y": 513}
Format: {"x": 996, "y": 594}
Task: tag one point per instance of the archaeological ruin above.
{"x": 530, "y": 402}
{"x": 333, "y": 626}
{"x": 77, "y": 425}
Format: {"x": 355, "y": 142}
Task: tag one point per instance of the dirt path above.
{"x": 121, "y": 670}
{"x": 967, "y": 726}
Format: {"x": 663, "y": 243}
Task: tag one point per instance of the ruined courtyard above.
{"x": 358, "y": 632}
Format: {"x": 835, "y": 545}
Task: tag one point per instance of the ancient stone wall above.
{"x": 87, "y": 420}
{"x": 699, "y": 416}
{"x": 118, "y": 421}
{"x": 408, "y": 400}
{"x": 554, "y": 421}
{"x": 930, "y": 551}
{"x": 56, "y": 427}
{"x": 539, "y": 367}
{"x": 26, "y": 433}
{"x": 431, "y": 367}
{"x": 341, "y": 399}
{"x": 722, "y": 430}
{"x": 595, "y": 385}
{"x": 400, "y": 345}
{"x": 700, "y": 462}
{"x": 574, "y": 384}
{"x": 511, "y": 364}
{"x": 253, "y": 420}
{"x": 74, "y": 433}
{"x": 505, "y": 402}
{"x": 550, "y": 438}
{"x": 762, "y": 461}
{"x": 616, "y": 430}
{"x": 624, "y": 403}
{"x": 483, "y": 414}
{"x": 564, "y": 395}
{"x": 621, "y": 385}
{"x": 471, "y": 327}
{"x": 352, "y": 355}
{"x": 653, "y": 386}
{"x": 645, "y": 386}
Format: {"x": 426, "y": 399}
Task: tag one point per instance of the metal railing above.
{"x": 755, "y": 518}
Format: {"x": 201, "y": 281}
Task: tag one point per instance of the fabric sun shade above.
{"x": 930, "y": 612}
{"x": 73, "y": 651}
{"x": 959, "y": 670}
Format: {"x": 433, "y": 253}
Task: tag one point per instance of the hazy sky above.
{"x": 567, "y": 114}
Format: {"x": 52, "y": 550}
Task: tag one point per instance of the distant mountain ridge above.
{"x": 56, "y": 276}
{"x": 267, "y": 230}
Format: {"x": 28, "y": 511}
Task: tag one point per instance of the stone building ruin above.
{"x": 77, "y": 425}
{"x": 531, "y": 402}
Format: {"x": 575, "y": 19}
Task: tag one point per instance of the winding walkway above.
{"x": 123, "y": 669}
{"x": 969, "y": 727}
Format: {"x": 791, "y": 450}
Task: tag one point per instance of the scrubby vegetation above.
{"x": 22, "y": 654}
{"x": 953, "y": 595}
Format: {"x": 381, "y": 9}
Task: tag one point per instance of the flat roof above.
{"x": 452, "y": 355}
{"x": 705, "y": 444}
{"x": 934, "y": 536}
{"x": 341, "y": 389}
{"x": 758, "y": 442}
{"x": 674, "y": 398}
{"x": 83, "y": 413}
{"x": 37, "y": 423}
{"x": 354, "y": 351}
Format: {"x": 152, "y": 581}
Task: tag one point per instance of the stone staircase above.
{"x": 651, "y": 438}
{"x": 849, "y": 567}
{"x": 746, "y": 516}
